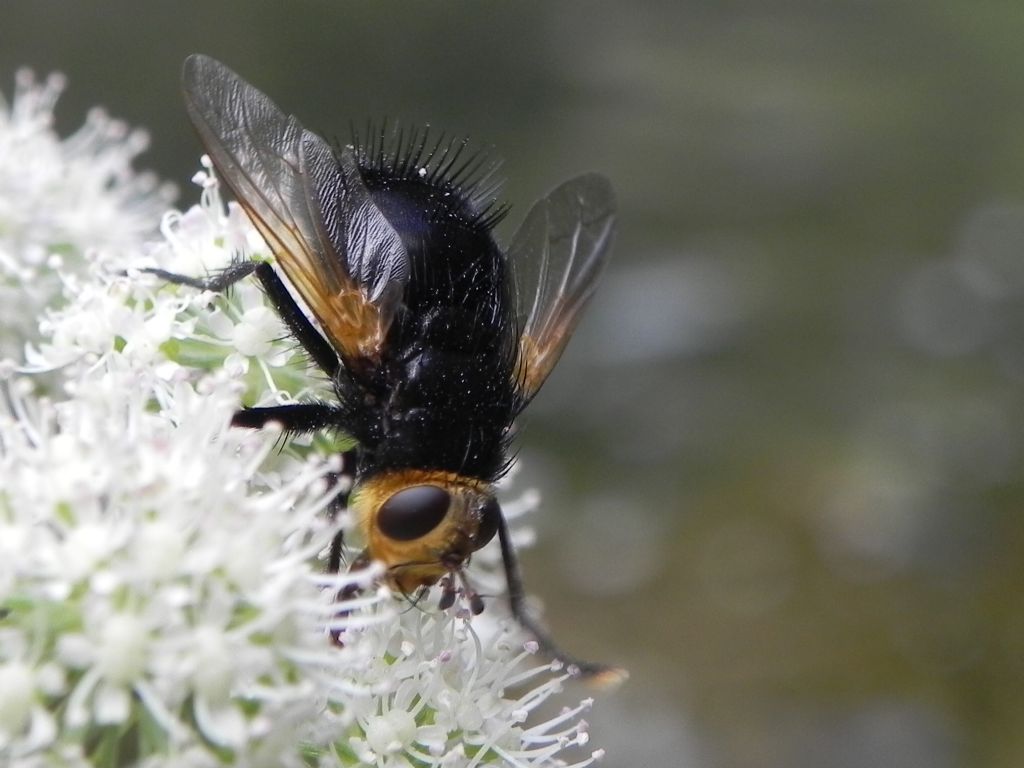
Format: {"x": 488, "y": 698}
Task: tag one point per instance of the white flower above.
{"x": 444, "y": 694}
{"x": 162, "y": 593}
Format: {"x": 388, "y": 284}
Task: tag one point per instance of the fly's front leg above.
{"x": 348, "y": 592}
{"x": 346, "y": 477}
{"x": 602, "y": 674}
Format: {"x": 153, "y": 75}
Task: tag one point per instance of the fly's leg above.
{"x": 345, "y": 478}
{"x": 602, "y": 674}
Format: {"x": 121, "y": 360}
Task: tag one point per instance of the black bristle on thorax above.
{"x": 466, "y": 179}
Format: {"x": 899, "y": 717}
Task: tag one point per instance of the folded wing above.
{"x": 309, "y": 204}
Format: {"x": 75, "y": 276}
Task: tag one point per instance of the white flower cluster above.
{"x": 60, "y": 199}
{"x": 162, "y": 594}
{"x": 447, "y": 697}
{"x": 158, "y": 594}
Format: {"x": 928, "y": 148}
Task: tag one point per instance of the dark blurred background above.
{"x": 782, "y": 461}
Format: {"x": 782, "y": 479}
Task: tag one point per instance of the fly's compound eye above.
{"x": 490, "y": 515}
{"x": 413, "y": 512}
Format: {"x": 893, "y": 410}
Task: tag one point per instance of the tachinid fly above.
{"x": 433, "y": 337}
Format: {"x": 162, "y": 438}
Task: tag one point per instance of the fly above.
{"x": 434, "y": 338}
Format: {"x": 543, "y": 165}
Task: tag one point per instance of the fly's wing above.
{"x": 311, "y": 207}
{"x": 557, "y": 255}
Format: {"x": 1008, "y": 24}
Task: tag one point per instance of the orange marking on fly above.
{"x": 536, "y": 359}
{"x": 354, "y": 324}
{"x": 423, "y": 524}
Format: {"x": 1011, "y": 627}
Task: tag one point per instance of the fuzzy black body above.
{"x": 444, "y": 392}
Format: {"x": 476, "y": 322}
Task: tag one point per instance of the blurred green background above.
{"x": 782, "y": 461}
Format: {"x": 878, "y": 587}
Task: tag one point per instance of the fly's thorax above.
{"x": 423, "y": 524}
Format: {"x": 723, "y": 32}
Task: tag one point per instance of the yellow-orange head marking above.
{"x": 423, "y": 524}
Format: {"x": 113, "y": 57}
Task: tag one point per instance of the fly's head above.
{"x": 423, "y": 525}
